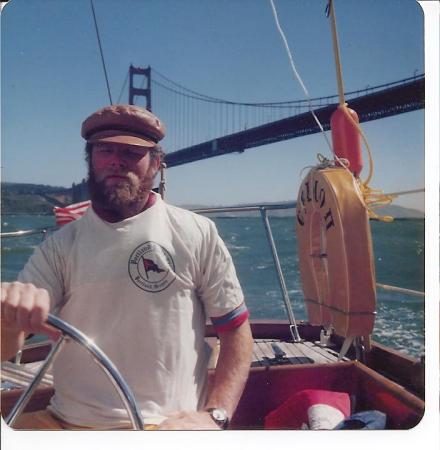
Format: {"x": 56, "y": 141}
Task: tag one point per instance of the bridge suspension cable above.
{"x": 300, "y": 103}
{"x": 194, "y": 118}
{"x": 123, "y": 87}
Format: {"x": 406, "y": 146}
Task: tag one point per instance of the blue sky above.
{"x": 52, "y": 78}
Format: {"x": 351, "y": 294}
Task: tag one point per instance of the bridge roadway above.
{"x": 394, "y": 100}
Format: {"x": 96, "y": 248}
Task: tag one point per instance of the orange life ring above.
{"x": 335, "y": 252}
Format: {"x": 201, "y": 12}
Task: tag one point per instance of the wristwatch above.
{"x": 220, "y": 417}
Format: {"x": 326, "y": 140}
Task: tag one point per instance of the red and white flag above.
{"x": 66, "y": 214}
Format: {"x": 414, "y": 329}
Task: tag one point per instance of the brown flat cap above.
{"x": 125, "y": 124}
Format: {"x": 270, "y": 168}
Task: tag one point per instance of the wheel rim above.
{"x": 102, "y": 360}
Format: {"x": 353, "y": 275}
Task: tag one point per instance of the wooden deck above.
{"x": 267, "y": 352}
{"x": 275, "y": 352}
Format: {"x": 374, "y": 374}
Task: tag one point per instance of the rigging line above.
{"x": 414, "y": 191}
{"x": 123, "y": 86}
{"x": 101, "y": 52}
{"x": 292, "y": 64}
{"x": 387, "y": 287}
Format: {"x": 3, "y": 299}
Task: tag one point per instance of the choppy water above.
{"x": 399, "y": 256}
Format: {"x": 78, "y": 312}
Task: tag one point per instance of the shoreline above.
{"x": 218, "y": 215}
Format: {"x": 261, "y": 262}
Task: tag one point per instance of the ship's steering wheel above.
{"x": 71, "y": 333}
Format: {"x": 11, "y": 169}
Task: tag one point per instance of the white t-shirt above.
{"x": 141, "y": 289}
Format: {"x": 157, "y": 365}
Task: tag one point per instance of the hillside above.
{"x": 23, "y": 198}
{"x": 399, "y": 212}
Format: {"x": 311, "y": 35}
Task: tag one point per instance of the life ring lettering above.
{"x": 318, "y": 197}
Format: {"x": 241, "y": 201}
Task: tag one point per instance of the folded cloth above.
{"x": 310, "y": 408}
{"x": 364, "y": 420}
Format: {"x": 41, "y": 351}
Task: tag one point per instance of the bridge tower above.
{"x": 140, "y": 92}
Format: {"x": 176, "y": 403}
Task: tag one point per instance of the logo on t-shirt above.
{"x": 151, "y": 267}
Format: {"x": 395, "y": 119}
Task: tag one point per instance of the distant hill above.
{"x": 399, "y": 212}
{"x": 25, "y": 198}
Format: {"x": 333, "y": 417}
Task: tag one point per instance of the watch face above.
{"x": 220, "y": 416}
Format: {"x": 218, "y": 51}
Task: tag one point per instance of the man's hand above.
{"x": 24, "y": 310}
{"x": 189, "y": 420}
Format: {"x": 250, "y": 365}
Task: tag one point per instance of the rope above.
{"x": 374, "y": 198}
{"x": 101, "y": 52}
{"x": 325, "y": 162}
{"x": 295, "y": 72}
{"x": 413, "y": 191}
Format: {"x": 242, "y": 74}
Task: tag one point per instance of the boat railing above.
{"x": 262, "y": 209}
{"x": 22, "y": 233}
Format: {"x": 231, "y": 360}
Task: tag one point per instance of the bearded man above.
{"x": 138, "y": 276}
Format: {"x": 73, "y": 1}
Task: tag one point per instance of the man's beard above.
{"x": 123, "y": 199}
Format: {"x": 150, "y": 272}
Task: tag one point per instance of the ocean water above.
{"x": 399, "y": 252}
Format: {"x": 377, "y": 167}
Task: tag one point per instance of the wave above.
{"x": 237, "y": 247}
{"x": 27, "y": 249}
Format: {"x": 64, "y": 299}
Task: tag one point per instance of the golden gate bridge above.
{"x": 201, "y": 126}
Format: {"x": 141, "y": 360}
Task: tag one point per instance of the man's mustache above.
{"x": 126, "y": 176}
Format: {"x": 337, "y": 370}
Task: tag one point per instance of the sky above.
{"x": 52, "y": 79}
